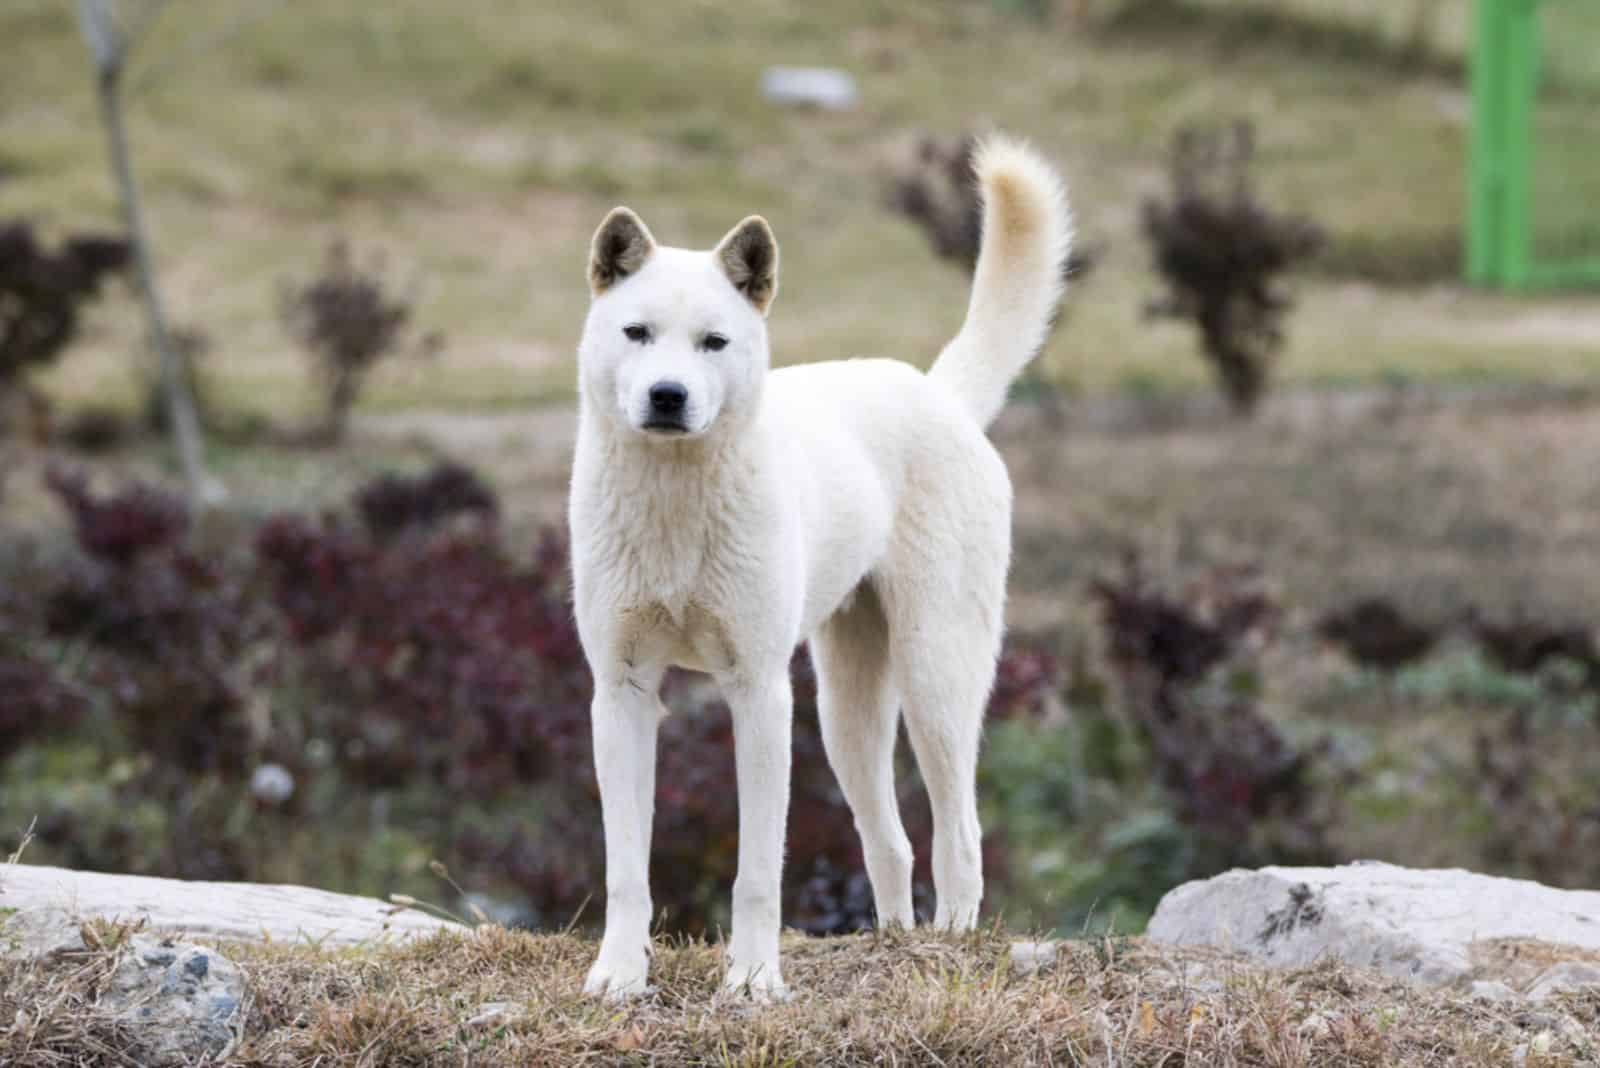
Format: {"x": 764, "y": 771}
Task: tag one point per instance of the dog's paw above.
{"x": 762, "y": 984}
{"x": 616, "y": 983}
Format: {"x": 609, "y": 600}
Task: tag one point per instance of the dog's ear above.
{"x": 749, "y": 257}
{"x": 620, "y": 247}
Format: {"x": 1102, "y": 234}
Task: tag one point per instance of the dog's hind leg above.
{"x": 946, "y": 687}
{"x": 944, "y": 601}
{"x": 860, "y": 717}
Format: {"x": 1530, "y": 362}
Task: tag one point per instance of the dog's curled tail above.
{"x": 1027, "y": 235}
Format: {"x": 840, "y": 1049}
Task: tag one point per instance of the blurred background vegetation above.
{"x": 1356, "y": 624}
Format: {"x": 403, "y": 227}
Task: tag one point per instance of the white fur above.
{"x": 856, "y": 504}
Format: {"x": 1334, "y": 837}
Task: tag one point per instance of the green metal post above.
{"x": 1486, "y": 167}
{"x": 1521, "y": 30}
{"x": 1505, "y": 86}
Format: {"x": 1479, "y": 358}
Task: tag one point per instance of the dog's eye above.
{"x": 714, "y": 342}
{"x": 637, "y": 332}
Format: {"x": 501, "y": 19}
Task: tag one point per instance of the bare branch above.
{"x": 108, "y": 45}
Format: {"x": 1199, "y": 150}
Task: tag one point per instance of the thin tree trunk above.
{"x": 180, "y": 405}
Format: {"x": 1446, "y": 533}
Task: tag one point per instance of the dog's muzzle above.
{"x": 669, "y": 408}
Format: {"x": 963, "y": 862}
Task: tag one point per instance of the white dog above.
{"x": 722, "y": 513}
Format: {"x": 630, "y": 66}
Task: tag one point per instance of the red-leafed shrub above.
{"x": 119, "y": 527}
{"x": 35, "y": 700}
{"x": 1025, "y": 681}
{"x": 1536, "y": 823}
{"x": 166, "y": 629}
{"x": 1186, "y": 668}
{"x": 464, "y": 666}
{"x": 393, "y": 504}
{"x": 1222, "y": 253}
{"x": 348, "y": 319}
{"x": 41, "y": 293}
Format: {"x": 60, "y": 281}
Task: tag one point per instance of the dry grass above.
{"x": 893, "y": 999}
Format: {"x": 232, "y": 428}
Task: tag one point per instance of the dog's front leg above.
{"x": 762, "y": 713}
{"x": 624, "y": 717}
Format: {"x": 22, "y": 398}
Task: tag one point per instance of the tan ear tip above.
{"x": 751, "y": 226}
{"x": 623, "y": 215}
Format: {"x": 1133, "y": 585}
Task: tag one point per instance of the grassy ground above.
{"x": 895, "y": 999}
{"x": 477, "y": 146}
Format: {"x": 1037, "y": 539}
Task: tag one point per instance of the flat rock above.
{"x": 1433, "y": 927}
{"x": 38, "y": 902}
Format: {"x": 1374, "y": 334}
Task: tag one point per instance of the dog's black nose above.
{"x": 668, "y": 398}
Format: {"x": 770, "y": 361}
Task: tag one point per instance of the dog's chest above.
{"x": 669, "y": 553}
{"x": 668, "y": 535}
{"x": 668, "y": 582}
{"x": 665, "y": 561}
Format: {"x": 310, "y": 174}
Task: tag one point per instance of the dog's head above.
{"x": 675, "y": 344}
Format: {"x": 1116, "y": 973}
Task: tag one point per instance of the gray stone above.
{"x": 1563, "y": 977}
{"x": 1419, "y": 925}
{"x": 177, "y": 1003}
{"x": 49, "y": 900}
{"x": 497, "y": 1014}
{"x": 1491, "y": 990}
{"x": 820, "y": 87}
{"x": 1565, "y": 1036}
{"x": 272, "y": 784}
{"x": 1029, "y": 957}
